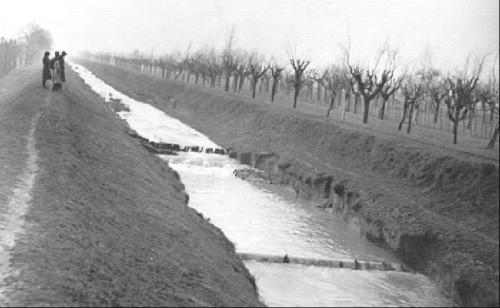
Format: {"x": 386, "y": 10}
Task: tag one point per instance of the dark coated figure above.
{"x": 61, "y": 61}
{"x": 46, "y": 74}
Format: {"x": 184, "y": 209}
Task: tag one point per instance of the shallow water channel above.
{"x": 270, "y": 220}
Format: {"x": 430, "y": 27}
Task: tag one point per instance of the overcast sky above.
{"x": 451, "y": 28}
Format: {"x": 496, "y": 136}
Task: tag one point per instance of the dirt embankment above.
{"x": 108, "y": 222}
{"x": 437, "y": 209}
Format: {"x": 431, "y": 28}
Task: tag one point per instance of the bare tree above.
{"x": 368, "y": 82}
{"x": 437, "y": 92}
{"x": 243, "y": 72}
{"x": 320, "y": 80}
{"x": 229, "y": 63}
{"x": 494, "y": 137}
{"x": 37, "y": 40}
{"x": 459, "y": 98}
{"x": 257, "y": 69}
{"x": 275, "y": 75}
{"x": 213, "y": 67}
{"x": 10, "y": 52}
{"x": 309, "y": 82}
{"x": 299, "y": 66}
{"x": 412, "y": 92}
{"x": 320, "y": 83}
{"x": 336, "y": 79}
{"x": 491, "y": 97}
{"x": 386, "y": 91}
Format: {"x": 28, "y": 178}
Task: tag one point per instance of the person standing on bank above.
{"x": 46, "y": 74}
{"x": 57, "y": 76}
{"x": 61, "y": 61}
{"x": 56, "y": 56}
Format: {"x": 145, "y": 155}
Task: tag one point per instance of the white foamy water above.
{"x": 257, "y": 220}
{"x": 145, "y": 119}
{"x": 310, "y": 286}
{"x": 267, "y": 223}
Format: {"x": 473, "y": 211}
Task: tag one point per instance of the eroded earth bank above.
{"x": 105, "y": 222}
{"x": 436, "y": 208}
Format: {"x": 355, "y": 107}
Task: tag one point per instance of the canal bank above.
{"x": 105, "y": 223}
{"x": 438, "y": 212}
{"x": 323, "y": 262}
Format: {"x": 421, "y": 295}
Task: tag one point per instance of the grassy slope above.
{"x": 108, "y": 224}
{"x": 438, "y": 209}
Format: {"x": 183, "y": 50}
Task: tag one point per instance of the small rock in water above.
{"x": 252, "y": 175}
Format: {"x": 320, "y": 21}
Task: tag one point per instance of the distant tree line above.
{"x": 25, "y": 49}
{"x": 347, "y": 87}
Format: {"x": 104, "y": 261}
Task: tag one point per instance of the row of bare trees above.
{"x": 460, "y": 92}
{"x": 31, "y": 44}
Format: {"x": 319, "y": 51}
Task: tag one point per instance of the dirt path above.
{"x": 13, "y": 214}
{"x": 18, "y": 174}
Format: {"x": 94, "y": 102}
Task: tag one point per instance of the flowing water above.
{"x": 271, "y": 221}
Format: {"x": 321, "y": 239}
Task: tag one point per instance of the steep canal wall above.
{"x": 107, "y": 224}
{"x": 437, "y": 209}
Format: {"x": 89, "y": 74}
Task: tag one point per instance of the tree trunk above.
{"x": 295, "y": 96}
{"x": 436, "y": 112}
{"x": 455, "y": 125}
{"x": 494, "y": 138}
{"x": 366, "y": 111}
{"x": 472, "y": 114}
{"x": 273, "y": 89}
{"x": 332, "y": 103}
{"x": 357, "y": 97}
{"x": 381, "y": 111}
{"x": 343, "y": 103}
{"x": 348, "y": 99}
{"x": 235, "y": 82}
{"x": 410, "y": 115}
{"x": 226, "y": 85}
{"x": 254, "y": 86}
{"x": 417, "y": 112}
{"x": 405, "y": 109}
{"x": 242, "y": 80}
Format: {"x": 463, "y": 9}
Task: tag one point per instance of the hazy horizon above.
{"x": 451, "y": 29}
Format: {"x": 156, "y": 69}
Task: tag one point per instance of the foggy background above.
{"x": 451, "y": 29}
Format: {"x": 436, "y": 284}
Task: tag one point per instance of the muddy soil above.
{"x": 107, "y": 224}
{"x": 438, "y": 209}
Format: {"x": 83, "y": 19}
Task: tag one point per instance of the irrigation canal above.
{"x": 267, "y": 222}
